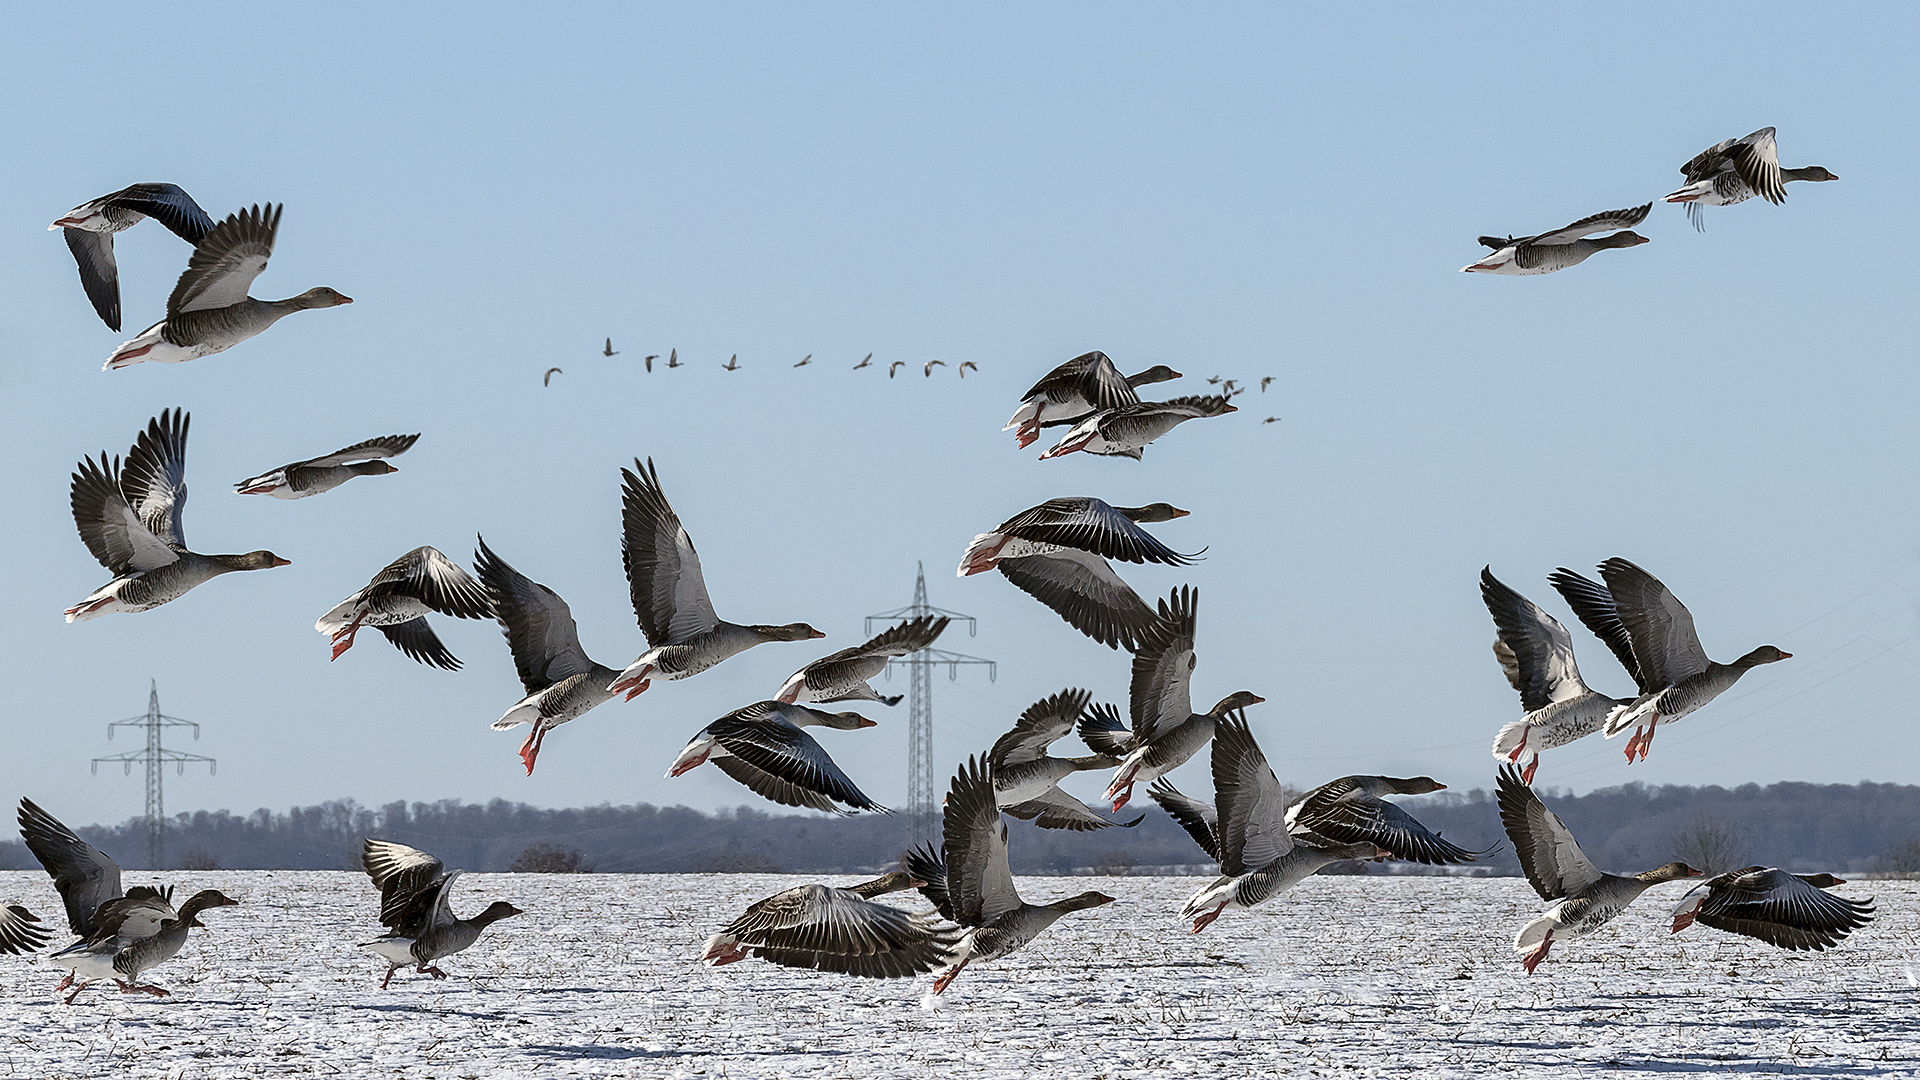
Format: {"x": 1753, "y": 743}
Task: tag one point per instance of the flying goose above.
{"x": 838, "y": 929}
{"x": 1561, "y": 248}
{"x": 842, "y": 676}
{"x": 1026, "y": 782}
{"x": 89, "y": 230}
{"x": 805, "y": 360}
{"x": 1057, "y": 553}
{"x": 867, "y": 362}
{"x": 1351, "y": 810}
{"x": 670, "y": 599}
{"x": 88, "y": 881}
{"x": 547, "y": 378}
{"x": 894, "y": 367}
{"x": 21, "y": 930}
{"x": 733, "y": 363}
{"x": 761, "y": 745}
{"x": 1581, "y": 899}
{"x": 966, "y": 366}
{"x": 315, "y": 475}
{"x": 129, "y": 518}
{"x": 673, "y": 358}
{"x": 609, "y": 350}
{"x": 1127, "y": 430}
{"x": 414, "y": 889}
{"x": 1735, "y": 170}
{"x": 209, "y": 310}
{"x": 1084, "y": 385}
{"x": 396, "y": 603}
{"x": 1792, "y": 911}
{"x": 931, "y": 364}
{"x": 968, "y": 879}
{"x": 1677, "y": 676}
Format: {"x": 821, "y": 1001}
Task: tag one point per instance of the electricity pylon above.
{"x": 153, "y": 757}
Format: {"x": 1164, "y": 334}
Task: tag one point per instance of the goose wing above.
{"x": 21, "y": 930}
{"x": 1544, "y": 669}
{"x": 1664, "y": 641}
{"x": 1160, "y": 697}
{"x": 385, "y": 446}
{"x": 979, "y": 880}
{"x": 1707, "y": 162}
{"x": 1200, "y": 819}
{"x": 1552, "y": 859}
{"x": 404, "y": 876}
{"x": 1757, "y": 162}
{"x": 1252, "y": 827}
{"x": 1605, "y": 221}
{"x": 1088, "y": 524}
{"x": 774, "y": 789}
{"x": 1092, "y": 376}
{"x": 108, "y": 525}
{"x": 860, "y": 662}
{"x": 99, "y": 272}
{"x": 539, "y": 626}
{"x": 816, "y": 918}
{"x": 1593, "y": 605}
{"x": 1055, "y": 809}
{"x": 1780, "y": 909}
{"x": 761, "y": 737}
{"x": 1044, "y": 722}
{"x": 416, "y": 639}
{"x": 1082, "y": 589}
{"x": 84, "y": 875}
{"x": 167, "y": 204}
{"x": 225, "y": 262}
{"x": 133, "y": 916}
{"x": 1346, "y": 813}
{"x": 1102, "y": 731}
{"x": 154, "y": 478}
{"x": 663, "y": 571}
{"x": 430, "y": 577}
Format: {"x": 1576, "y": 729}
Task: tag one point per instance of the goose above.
{"x": 761, "y": 745}
{"x": 649, "y": 359}
{"x": 867, "y": 362}
{"x": 89, "y": 230}
{"x": 1678, "y": 677}
{"x": 1026, "y": 782}
{"x": 1126, "y": 431}
{"x": 21, "y": 931}
{"x": 134, "y": 958}
{"x": 966, "y": 366}
{"x": 1581, "y": 899}
{"x": 673, "y": 358}
{"x": 1084, "y": 385}
{"x": 129, "y": 518}
{"x": 315, "y": 475}
{"x": 842, "y": 676}
{"x": 931, "y": 364}
{"x": 1792, "y": 911}
{"x": 209, "y": 310}
{"x": 1735, "y": 170}
{"x": 547, "y": 379}
{"x": 805, "y": 360}
{"x": 396, "y": 603}
{"x": 414, "y": 889}
{"x": 669, "y": 592}
{"x": 733, "y": 363}
{"x": 895, "y": 367}
{"x": 1353, "y": 810}
{"x": 1166, "y": 730}
{"x": 1537, "y": 654}
{"x": 1057, "y": 553}
{"x": 1264, "y": 380}
{"x": 838, "y": 929}
{"x": 969, "y": 880}
{"x": 609, "y": 350}
{"x": 88, "y": 881}
{"x": 1248, "y": 836}
{"x": 1561, "y": 248}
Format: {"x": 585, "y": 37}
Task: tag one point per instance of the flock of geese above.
{"x": 128, "y": 512}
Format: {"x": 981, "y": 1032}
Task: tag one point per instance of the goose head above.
{"x": 1810, "y": 172}
{"x": 1239, "y": 699}
{"x": 1085, "y": 900}
{"x": 1668, "y": 872}
{"x": 253, "y": 560}
{"x": 1158, "y": 373}
{"x": 1765, "y": 654}
{"x": 496, "y": 911}
{"x": 1625, "y": 238}
{"x": 1152, "y": 512}
{"x": 1413, "y": 785}
{"x": 1821, "y": 881}
{"x": 796, "y": 631}
{"x": 321, "y": 297}
{"x": 894, "y": 881}
{"x": 372, "y": 468}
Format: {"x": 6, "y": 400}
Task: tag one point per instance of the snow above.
{"x": 1343, "y": 976}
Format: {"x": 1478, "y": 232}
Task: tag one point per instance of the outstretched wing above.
{"x": 979, "y": 881}
{"x": 154, "y": 478}
{"x": 1593, "y": 605}
{"x": 538, "y": 624}
{"x": 1542, "y": 650}
{"x": 1160, "y": 697}
{"x": 1552, "y": 859}
{"x": 384, "y": 446}
{"x": 226, "y": 261}
{"x": 1082, "y": 589}
{"x": 84, "y": 875}
{"x": 1200, "y": 819}
{"x": 1088, "y": 524}
{"x": 1664, "y": 641}
{"x": 1757, "y": 162}
{"x": 1605, "y": 221}
{"x": 663, "y": 571}
{"x": 1044, "y": 722}
{"x": 1251, "y": 821}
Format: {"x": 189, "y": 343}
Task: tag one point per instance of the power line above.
{"x": 153, "y": 756}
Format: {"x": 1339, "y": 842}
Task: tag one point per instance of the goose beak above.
{"x": 817, "y": 634}
{"x": 864, "y": 722}
{"x": 278, "y": 561}
{"x": 345, "y": 299}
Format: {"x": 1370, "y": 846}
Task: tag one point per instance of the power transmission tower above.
{"x": 153, "y": 757}
{"x": 921, "y": 811}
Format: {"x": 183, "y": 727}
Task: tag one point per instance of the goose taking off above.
{"x": 1561, "y": 248}
{"x": 838, "y": 929}
{"x": 1026, "y": 782}
{"x": 129, "y": 518}
{"x": 1735, "y": 170}
{"x": 1077, "y": 389}
{"x": 90, "y": 227}
{"x": 315, "y": 475}
{"x": 396, "y": 603}
{"x": 1792, "y": 911}
{"x": 1126, "y": 431}
{"x": 762, "y": 746}
{"x": 209, "y": 310}
{"x": 1352, "y": 810}
{"x": 130, "y": 959}
{"x": 843, "y": 676}
{"x": 414, "y": 888}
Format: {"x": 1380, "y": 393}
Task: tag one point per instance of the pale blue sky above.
{"x": 1251, "y": 191}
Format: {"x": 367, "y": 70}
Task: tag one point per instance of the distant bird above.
{"x": 1792, "y": 911}
{"x": 1077, "y": 389}
{"x": 1229, "y": 387}
{"x": 209, "y": 310}
{"x": 805, "y": 360}
{"x": 969, "y": 881}
{"x": 651, "y": 357}
{"x": 21, "y": 931}
{"x": 1581, "y": 899}
{"x": 733, "y": 363}
{"x": 1213, "y": 380}
{"x": 1057, "y": 553}
{"x": 838, "y": 929}
{"x": 89, "y": 230}
{"x": 762, "y": 746}
{"x": 673, "y": 358}
{"x": 315, "y": 475}
{"x": 1351, "y": 810}
{"x": 414, "y": 889}
{"x": 842, "y": 676}
{"x": 547, "y": 379}
{"x": 669, "y": 593}
{"x": 1264, "y": 380}
{"x": 894, "y": 367}
{"x": 1672, "y": 664}
{"x": 609, "y": 350}
{"x": 1127, "y": 430}
{"x": 1026, "y": 782}
{"x": 1271, "y": 420}
{"x": 1735, "y": 170}
{"x": 129, "y": 518}
{"x": 1561, "y": 248}
{"x": 968, "y": 365}
{"x": 864, "y": 363}
{"x": 931, "y": 364}
{"x": 396, "y": 603}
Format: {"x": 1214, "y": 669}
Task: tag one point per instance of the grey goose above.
{"x": 396, "y": 603}
{"x": 315, "y": 475}
{"x": 89, "y": 230}
{"x": 126, "y": 960}
{"x": 1561, "y": 248}
{"x": 1790, "y": 911}
{"x": 843, "y": 930}
{"x": 421, "y": 927}
{"x": 1126, "y": 431}
{"x": 842, "y": 676}
{"x": 1026, "y": 781}
{"x": 1735, "y": 170}
{"x": 1084, "y": 385}
{"x": 763, "y": 747}
{"x": 1354, "y": 810}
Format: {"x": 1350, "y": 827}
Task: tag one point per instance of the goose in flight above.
{"x": 1561, "y": 248}
{"x": 842, "y": 676}
{"x": 1127, "y": 430}
{"x": 547, "y": 379}
{"x": 1264, "y": 380}
{"x": 1077, "y": 389}
{"x": 609, "y": 350}
{"x": 895, "y": 367}
{"x": 868, "y": 362}
{"x": 1735, "y": 170}
{"x": 1353, "y": 810}
{"x": 966, "y": 366}
{"x": 838, "y": 929}
{"x": 421, "y": 928}
{"x": 1026, "y": 782}
{"x": 931, "y": 364}
{"x": 397, "y": 601}
{"x": 763, "y": 747}
{"x": 805, "y": 360}
{"x": 1791, "y": 911}
{"x": 651, "y": 357}
{"x": 89, "y": 230}
{"x": 315, "y": 475}
{"x": 673, "y": 358}
{"x": 733, "y": 363}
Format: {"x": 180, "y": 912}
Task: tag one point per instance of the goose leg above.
{"x": 391, "y": 968}
{"x": 940, "y": 984}
{"x": 1205, "y": 919}
{"x": 530, "y": 749}
{"x": 1533, "y": 958}
{"x": 1648, "y": 741}
{"x": 1526, "y": 774}
{"x": 343, "y": 638}
{"x": 433, "y": 971}
{"x": 64, "y": 983}
{"x": 76, "y": 992}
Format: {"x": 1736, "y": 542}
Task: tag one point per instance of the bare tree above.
{"x": 199, "y": 859}
{"x": 549, "y": 859}
{"x": 1710, "y": 844}
{"x": 1900, "y": 859}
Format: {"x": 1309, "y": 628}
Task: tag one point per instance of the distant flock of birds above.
{"x": 128, "y": 513}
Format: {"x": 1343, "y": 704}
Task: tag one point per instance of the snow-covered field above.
{"x": 1341, "y": 977}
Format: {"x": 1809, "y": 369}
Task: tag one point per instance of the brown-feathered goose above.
{"x": 970, "y": 881}
{"x": 1676, "y": 672}
{"x": 315, "y": 475}
{"x": 1735, "y": 170}
{"x": 88, "y": 881}
{"x": 1027, "y": 782}
{"x": 396, "y": 603}
{"x": 1352, "y": 810}
{"x": 90, "y": 227}
{"x": 1792, "y": 911}
{"x": 1084, "y": 385}
{"x": 842, "y": 676}
{"x": 129, "y": 518}
{"x": 129, "y": 960}
{"x": 838, "y": 929}
{"x": 761, "y": 745}
{"x": 21, "y": 930}
{"x": 670, "y": 594}
{"x": 421, "y": 928}
{"x": 209, "y": 310}
{"x": 1125, "y": 431}
{"x": 1057, "y": 553}
{"x": 1580, "y": 898}
{"x": 1561, "y": 248}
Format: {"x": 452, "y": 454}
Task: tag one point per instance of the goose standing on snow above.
{"x": 315, "y": 475}
{"x": 842, "y": 930}
{"x": 762, "y": 746}
{"x": 670, "y": 594}
{"x": 129, "y": 518}
{"x": 843, "y": 676}
{"x": 209, "y": 310}
{"x": 969, "y": 879}
{"x": 1126, "y": 431}
{"x": 414, "y": 887}
{"x": 1026, "y": 782}
{"x": 1792, "y": 911}
{"x": 1082, "y": 386}
{"x": 396, "y": 603}
{"x": 1677, "y": 674}
{"x": 90, "y": 227}
{"x": 1057, "y": 553}
{"x": 1735, "y": 170}
{"x": 1561, "y": 248}
{"x": 1581, "y": 899}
